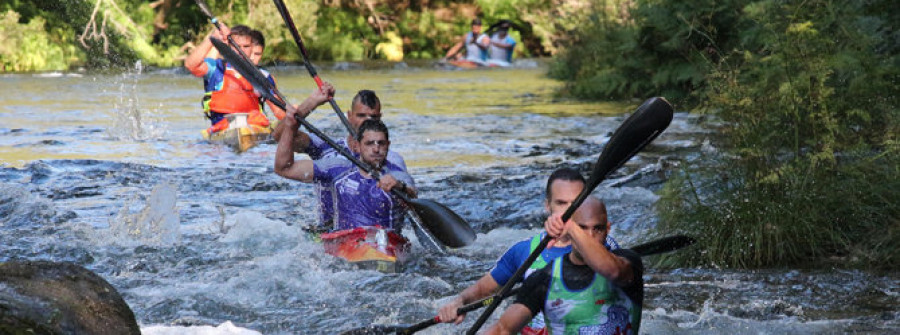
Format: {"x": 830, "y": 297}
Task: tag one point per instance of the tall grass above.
{"x": 845, "y": 217}
{"x": 807, "y": 167}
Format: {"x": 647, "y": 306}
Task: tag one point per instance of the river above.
{"x": 110, "y": 171}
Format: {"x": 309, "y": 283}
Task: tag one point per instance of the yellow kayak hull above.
{"x": 240, "y": 139}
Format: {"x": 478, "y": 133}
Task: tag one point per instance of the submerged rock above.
{"x": 42, "y": 297}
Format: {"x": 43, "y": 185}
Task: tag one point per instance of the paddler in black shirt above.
{"x": 590, "y": 290}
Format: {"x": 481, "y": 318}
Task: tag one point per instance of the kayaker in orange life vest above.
{"x": 226, "y": 90}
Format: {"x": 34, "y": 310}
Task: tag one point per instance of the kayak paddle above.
{"x": 212, "y": 18}
{"x": 647, "y": 122}
{"x": 289, "y": 22}
{"x": 440, "y": 221}
{"x": 659, "y": 246}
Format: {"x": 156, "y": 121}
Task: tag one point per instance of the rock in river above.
{"x": 42, "y": 297}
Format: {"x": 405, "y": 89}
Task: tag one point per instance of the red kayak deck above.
{"x": 465, "y": 64}
{"x": 369, "y": 247}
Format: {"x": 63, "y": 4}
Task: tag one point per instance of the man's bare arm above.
{"x": 285, "y": 165}
{"x": 301, "y": 139}
{"x": 512, "y": 321}
{"x": 598, "y": 258}
{"x": 194, "y": 62}
{"x": 484, "y": 287}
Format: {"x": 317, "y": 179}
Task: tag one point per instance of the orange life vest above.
{"x": 236, "y": 95}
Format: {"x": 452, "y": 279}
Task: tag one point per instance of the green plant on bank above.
{"x": 808, "y": 170}
{"x": 263, "y": 16}
{"x": 28, "y": 47}
{"x": 635, "y": 49}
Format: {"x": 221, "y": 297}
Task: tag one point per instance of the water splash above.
{"x": 155, "y": 225}
{"x": 130, "y": 122}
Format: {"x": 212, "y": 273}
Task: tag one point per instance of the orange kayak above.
{"x": 369, "y": 247}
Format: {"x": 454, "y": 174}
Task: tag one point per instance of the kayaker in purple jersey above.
{"x": 360, "y": 200}
{"x": 365, "y": 106}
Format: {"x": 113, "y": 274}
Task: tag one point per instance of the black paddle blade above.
{"x": 638, "y": 130}
{"x": 647, "y": 122}
{"x": 663, "y": 245}
{"x": 256, "y": 78}
{"x": 376, "y": 330}
{"x": 443, "y": 223}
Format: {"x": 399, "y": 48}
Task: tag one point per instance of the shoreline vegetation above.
{"x": 803, "y": 169}
{"x": 60, "y": 35}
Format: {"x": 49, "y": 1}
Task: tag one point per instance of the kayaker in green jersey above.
{"x": 563, "y": 187}
{"x": 590, "y": 290}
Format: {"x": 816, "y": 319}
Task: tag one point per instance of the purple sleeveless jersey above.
{"x": 319, "y": 149}
{"x": 357, "y": 200}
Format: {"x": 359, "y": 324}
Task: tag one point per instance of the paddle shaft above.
{"x": 309, "y": 68}
{"x": 663, "y": 245}
{"x": 459, "y": 311}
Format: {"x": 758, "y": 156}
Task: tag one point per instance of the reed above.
{"x": 844, "y": 217}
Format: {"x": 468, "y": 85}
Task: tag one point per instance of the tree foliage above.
{"x": 28, "y": 46}
{"x": 807, "y": 170}
{"x": 116, "y": 33}
{"x": 651, "y": 47}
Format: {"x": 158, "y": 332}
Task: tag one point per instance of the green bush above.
{"x": 808, "y": 168}
{"x": 657, "y": 48}
{"x": 162, "y": 35}
{"x": 29, "y": 47}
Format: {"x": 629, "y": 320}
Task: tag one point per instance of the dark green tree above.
{"x": 806, "y": 170}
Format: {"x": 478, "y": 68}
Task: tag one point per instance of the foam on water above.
{"x": 258, "y": 235}
{"x": 20, "y": 208}
{"x": 226, "y": 328}
{"x": 709, "y": 321}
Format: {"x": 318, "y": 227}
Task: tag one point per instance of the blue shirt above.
{"x": 516, "y": 255}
